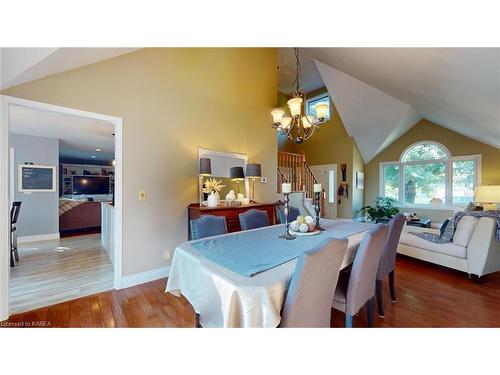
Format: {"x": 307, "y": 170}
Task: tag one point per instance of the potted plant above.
{"x": 384, "y": 209}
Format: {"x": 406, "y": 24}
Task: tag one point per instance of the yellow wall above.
{"x": 172, "y": 101}
{"x": 457, "y": 144}
{"x": 332, "y": 145}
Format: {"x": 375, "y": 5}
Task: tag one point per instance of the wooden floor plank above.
{"x": 427, "y": 296}
{"x": 50, "y": 272}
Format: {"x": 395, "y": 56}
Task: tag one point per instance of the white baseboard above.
{"x": 145, "y": 277}
{"x": 38, "y": 237}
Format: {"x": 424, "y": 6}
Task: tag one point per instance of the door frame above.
{"x": 330, "y": 167}
{"x": 5, "y": 103}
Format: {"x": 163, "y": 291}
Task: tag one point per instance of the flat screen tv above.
{"x": 90, "y": 185}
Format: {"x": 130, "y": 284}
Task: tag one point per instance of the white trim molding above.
{"x": 38, "y": 237}
{"x": 4, "y": 209}
{"x": 117, "y": 122}
{"x": 145, "y": 277}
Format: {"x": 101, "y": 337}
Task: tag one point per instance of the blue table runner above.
{"x": 251, "y": 252}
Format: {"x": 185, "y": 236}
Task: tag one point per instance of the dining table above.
{"x": 241, "y": 279}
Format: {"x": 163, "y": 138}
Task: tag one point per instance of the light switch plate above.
{"x": 142, "y": 195}
{"x": 263, "y": 180}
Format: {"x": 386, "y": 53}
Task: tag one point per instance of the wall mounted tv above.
{"x": 90, "y": 185}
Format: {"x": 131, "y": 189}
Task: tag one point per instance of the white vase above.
{"x": 212, "y": 200}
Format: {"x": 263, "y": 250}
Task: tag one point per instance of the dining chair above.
{"x": 357, "y": 287}
{"x": 388, "y": 260}
{"x": 207, "y": 225}
{"x": 293, "y": 212}
{"x": 253, "y": 219}
{"x": 14, "y": 214}
{"x": 309, "y": 298}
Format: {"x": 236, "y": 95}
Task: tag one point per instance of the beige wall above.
{"x": 172, "y": 101}
{"x": 455, "y": 142}
{"x": 332, "y": 145}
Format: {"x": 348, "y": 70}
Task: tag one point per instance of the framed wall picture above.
{"x": 36, "y": 178}
{"x": 360, "y": 180}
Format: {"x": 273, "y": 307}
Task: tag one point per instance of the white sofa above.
{"x": 474, "y": 249}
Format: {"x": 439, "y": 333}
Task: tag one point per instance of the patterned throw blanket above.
{"x": 449, "y": 231}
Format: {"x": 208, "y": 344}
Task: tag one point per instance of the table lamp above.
{"x": 488, "y": 195}
{"x": 254, "y": 171}
{"x": 236, "y": 174}
{"x": 204, "y": 170}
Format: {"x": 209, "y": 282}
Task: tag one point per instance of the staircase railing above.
{"x": 309, "y": 181}
{"x": 294, "y": 169}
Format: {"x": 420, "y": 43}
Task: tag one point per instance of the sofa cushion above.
{"x": 451, "y": 249}
{"x": 465, "y": 228}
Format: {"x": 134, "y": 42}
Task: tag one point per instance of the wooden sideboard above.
{"x": 230, "y": 213}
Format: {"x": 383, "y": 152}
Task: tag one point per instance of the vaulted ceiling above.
{"x": 381, "y": 92}
{"x": 20, "y": 65}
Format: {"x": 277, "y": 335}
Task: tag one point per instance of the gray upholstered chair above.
{"x": 253, "y": 219}
{"x": 308, "y": 302}
{"x": 293, "y": 212}
{"x": 207, "y": 225}
{"x": 388, "y": 260}
{"x": 357, "y": 287}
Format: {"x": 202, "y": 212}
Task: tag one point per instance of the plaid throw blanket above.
{"x": 449, "y": 231}
{"x": 68, "y": 204}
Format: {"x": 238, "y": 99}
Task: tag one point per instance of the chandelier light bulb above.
{"x": 307, "y": 121}
{"x": 295, "y": 105}
{"x": 322, "y": 110}
{"x": 285, "y": 122}
{"x": 277, "y": 115}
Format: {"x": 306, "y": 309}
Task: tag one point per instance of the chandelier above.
{"x": 298, "y": 127}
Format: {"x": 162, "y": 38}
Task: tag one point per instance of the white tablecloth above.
{"x": 226, "y": 299}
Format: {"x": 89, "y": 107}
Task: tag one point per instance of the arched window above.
{"x": 424, "y": 151}
{"x": 427, "y": 174}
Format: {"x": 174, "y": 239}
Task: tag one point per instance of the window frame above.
{"x": 318, "y": 97}
{"x": 448, "y": 203}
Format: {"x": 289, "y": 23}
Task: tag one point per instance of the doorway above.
{"x": 327, "y": 177}
{"x": 49, "y": 245}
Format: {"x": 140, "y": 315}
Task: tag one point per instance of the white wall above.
{"x": 39, "y": 211}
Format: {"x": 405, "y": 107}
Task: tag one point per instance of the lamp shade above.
{"x": 236, "y": 173}
{"x": 295, "y": 105}
{"x": 254, "y": 170}
{"x": 488, "y": 194}
{"x": 205, "y": 167}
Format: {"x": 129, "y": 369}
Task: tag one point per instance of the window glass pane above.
{"x": 391, "y": 181}
{"x": 311, "y": 106}
{"x": 424, "y": 151}
{"x": 331, "y": 186}
{"x": 464, "y": 177}
{"x": 422, "y": 182}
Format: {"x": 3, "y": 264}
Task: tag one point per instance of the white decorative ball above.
{"x": 294, "y": 226}
{"x": 304, "y": 228}
{"x": 309, "y": 220}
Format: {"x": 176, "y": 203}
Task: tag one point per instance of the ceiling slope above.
{"x": 20, "y": 65}
{"x": 458, "y": 88}
{"x": 373, "y": 118}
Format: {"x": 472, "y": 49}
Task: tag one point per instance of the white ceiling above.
{"x": 20, "y": 65}
{"x": 79, "y": 136}
{"x": 458, "y": 88}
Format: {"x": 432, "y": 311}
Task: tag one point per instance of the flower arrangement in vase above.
{"x": 212, "y": 188}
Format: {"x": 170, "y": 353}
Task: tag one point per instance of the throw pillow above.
{"x": 465, "y": 228}
{"x": 443, "y": 227}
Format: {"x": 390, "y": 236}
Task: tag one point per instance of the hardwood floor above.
{"x": 50, "y": 272}
{"x": 428, "y": 296}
